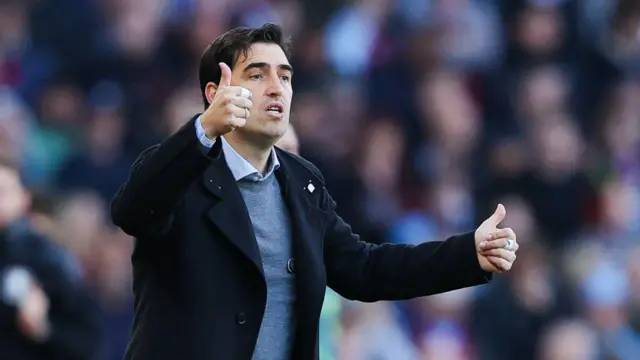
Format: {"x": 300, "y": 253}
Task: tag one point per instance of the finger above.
{"x": 493, "y": 244}
{"x": 236, "y": 91}
{"x": 497, "y": 217}
{"x": 233, "y": 123}
{"x": 506, "y": 233}
{"x": 225, "y": 77}
{"x": 243, "y": 92}
{"x": 499, "y": 263}
{"x": 505, "y": 254}
{"x": 238, "y": 112}
{"x": 241, "y": 102}
{"x": 237, "y": 122}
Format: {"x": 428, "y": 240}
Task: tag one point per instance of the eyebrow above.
{"x": 264, "y": 65}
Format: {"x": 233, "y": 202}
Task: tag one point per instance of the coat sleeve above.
{"x": 366, "y": 272}
{"x": 145, "y": 204}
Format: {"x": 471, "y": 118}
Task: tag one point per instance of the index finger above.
{"x": 245, "y": 93}
{"x": 504, "y": 233}
{"x": 238, "y": 91}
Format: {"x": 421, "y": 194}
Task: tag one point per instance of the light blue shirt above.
{"x": 239, "y": 166}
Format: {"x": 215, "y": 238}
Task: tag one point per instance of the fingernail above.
{"x": 483, "y": 244}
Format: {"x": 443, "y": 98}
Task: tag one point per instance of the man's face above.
{"x": 266, "y": 72}
{"x": 13, "y": 196}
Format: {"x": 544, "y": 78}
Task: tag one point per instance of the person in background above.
{"x": 45, "y": 311}
{"x": 329, "y": 326}
{"x": 289, "y": 141}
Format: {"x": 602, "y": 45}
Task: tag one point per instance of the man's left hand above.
{"x": 496, "y": 247}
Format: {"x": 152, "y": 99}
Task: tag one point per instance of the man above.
{"x": 236, "y": 240}
{"x": 44, "y": 311}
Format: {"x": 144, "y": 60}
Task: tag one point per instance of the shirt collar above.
{"x": 242, "y": 169}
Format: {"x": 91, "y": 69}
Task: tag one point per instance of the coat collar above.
{"x": 229, "y": 212}
{"x": 241, "y": 168}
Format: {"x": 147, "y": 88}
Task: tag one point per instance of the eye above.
{"x": 256, "y": 76}
{"x": 286, "y": 78}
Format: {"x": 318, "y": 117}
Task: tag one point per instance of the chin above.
{"x": 274, "y": 128}
{"x": 273, "y": 136}
{"x": 267, "y": 134}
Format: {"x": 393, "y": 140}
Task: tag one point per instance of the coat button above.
{"x": 241, "y": 318}
{"x": 291, "y": 266}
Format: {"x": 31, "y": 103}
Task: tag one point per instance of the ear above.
{"x": 210, "y": 91}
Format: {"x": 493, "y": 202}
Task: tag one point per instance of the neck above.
{"x": 255, "y": 155}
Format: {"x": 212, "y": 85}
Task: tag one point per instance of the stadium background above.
{"x": 422, "y": 114}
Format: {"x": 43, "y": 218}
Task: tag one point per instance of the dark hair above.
{"x": 228, "y": 47}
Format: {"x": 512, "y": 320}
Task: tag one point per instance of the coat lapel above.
{"x": 229, "y": 212}
{"x": 308, "y": 223}
{"x": 307, "y": 226}
{"x": 230, "y": 215}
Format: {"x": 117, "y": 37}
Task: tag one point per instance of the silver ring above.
{"x": 245, "y": 93}
{"x": 509, "y": 245}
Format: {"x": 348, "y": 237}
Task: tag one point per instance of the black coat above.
{"x": 199, "y": 287}
{"x": 74, "y": 316}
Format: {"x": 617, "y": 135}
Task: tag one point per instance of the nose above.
{"x": 274, "y": 87}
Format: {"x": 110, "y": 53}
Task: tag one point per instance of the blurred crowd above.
{"x": 422, "y": 115}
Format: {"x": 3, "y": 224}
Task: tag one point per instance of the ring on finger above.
{"x": 510, "y": 244}
{"x": 245, "y": 93}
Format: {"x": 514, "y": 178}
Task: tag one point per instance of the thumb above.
{"x": 498, "y": 215}
{"x": 225, "y": 78}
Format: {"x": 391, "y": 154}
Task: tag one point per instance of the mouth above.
{"x": 275, "y": 109}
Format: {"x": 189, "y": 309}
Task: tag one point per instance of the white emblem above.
{"x": 311, "y": 188}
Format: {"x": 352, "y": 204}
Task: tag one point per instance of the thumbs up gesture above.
{"x": 496, "y": 247}
{"x": 229, "y": 109}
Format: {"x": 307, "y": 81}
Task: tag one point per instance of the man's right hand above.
{"x": 229, "y": 109}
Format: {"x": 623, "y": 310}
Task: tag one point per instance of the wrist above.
{"x": 210, "y": 132}
{"x": 211, "y": 135}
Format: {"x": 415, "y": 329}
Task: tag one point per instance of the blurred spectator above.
{"x": 289, "y": 141}
{"x": 605, "y": 290}
{"x": 571, "y": 339}
{"x": 530, "y": 299}
{"x": 633, "y": 274}
{"x": 45, "y": 310}
{"x": 369, "y": 332}
{"x": 103, "y": 164}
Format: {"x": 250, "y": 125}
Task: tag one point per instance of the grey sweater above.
{"x": 272, "y": 227}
